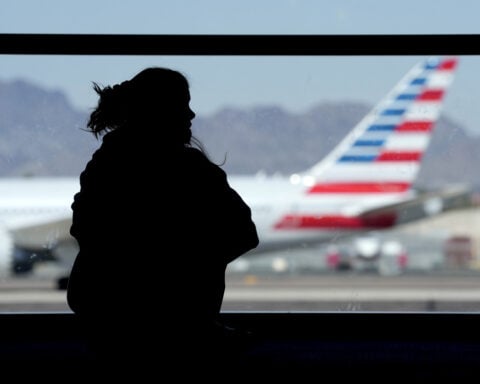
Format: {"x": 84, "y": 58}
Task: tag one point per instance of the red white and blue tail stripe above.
{"x": 366, "y": 181}
{"x": 382, "y": 154}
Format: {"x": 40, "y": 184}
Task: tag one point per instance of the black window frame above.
{"x": 366, "y": 338}
{"x": 231, "y": 45}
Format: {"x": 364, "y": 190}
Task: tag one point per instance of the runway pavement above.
{"x": 31, "y": 295}
{"x": 347, "y": 292}
{"x": 342, "y": 292}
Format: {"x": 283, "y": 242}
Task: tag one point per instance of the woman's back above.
{"x": 156, "y": 223}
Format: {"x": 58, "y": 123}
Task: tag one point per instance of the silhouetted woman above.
{"x": 156, "y": 223}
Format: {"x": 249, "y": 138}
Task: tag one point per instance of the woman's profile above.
{"x": 155, "y": 220}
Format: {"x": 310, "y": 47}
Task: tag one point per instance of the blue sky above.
{"x": 246, "y": 16}
{"x": 295, "y": 83}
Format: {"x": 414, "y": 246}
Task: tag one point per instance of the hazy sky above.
{"x": 295, "y": 83}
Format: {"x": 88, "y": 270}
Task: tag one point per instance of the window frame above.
{"x": 256, "y": 45}
{"x": 362, "y": 338}
{"x": 239, "y": 45}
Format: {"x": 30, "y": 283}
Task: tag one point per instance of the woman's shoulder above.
{"x": 196, "y": 156}
{"x": 194, "y": 153}
{"x": 196, "y": 159}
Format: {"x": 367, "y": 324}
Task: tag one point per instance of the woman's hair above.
{"x": 151, "y": 91}
{"x": 150, "y": 95}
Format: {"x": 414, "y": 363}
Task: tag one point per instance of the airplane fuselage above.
{"x": 288, "y": 215}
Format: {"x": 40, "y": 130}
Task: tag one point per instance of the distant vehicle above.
{"x": 368, "y": 253}
{"x": 459, "y": 251}
{"x": 364, "y": 183}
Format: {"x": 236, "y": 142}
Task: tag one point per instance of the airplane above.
{"x": 365, "y": 183}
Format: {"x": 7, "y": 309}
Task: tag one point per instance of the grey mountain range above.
{"x": 42, "y": 134}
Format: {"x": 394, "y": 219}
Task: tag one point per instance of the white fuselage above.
{"x": 272, "y": 199}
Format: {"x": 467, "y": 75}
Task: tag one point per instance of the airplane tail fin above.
{"x": 382, "y": 154}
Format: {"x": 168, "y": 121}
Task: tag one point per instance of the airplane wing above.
{"x": 424, "y": 205}
{"x": 42, "y": 233}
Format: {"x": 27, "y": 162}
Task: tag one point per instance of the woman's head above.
{"x": 155, "y": 96}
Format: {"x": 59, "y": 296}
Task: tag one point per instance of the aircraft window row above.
{"x": 361, "y": 170}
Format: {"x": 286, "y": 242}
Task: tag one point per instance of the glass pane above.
{"x": 272, "y": 119}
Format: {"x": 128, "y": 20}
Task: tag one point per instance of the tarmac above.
{"x": 439, "y": 292}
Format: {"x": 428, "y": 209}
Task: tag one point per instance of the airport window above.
{"x": 409, "y": 161}
{"x": 275, "y": 92}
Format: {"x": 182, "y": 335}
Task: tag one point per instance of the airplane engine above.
{"x": 367, "y": 247}
{"x": 6, "y": 253}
